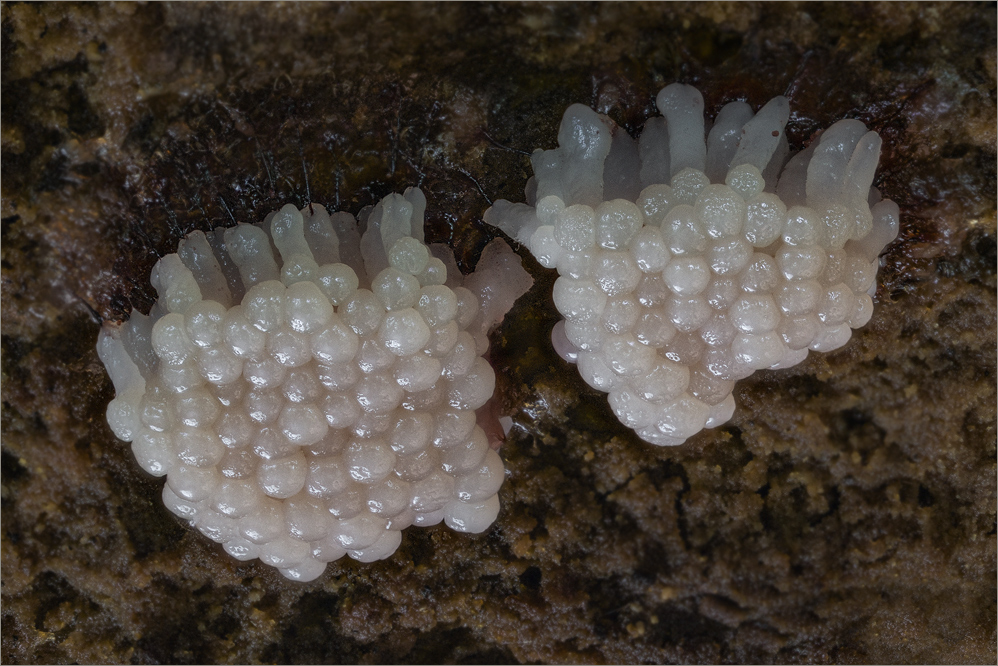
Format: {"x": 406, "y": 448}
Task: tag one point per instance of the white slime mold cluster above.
{"x": 690, "y": 258}
{"x": 309, "y": 387}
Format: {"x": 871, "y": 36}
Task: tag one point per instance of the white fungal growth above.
{"x": 689, "y": 259}
{"x": 309, "y": 388}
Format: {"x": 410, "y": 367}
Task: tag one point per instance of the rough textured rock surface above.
{"x": 845, "y": 514}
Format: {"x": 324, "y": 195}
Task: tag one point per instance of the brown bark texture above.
{"x": 845, "y": 514}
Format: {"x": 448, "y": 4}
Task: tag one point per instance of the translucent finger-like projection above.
{"x": 688, "y": 259}
{"x": 308, "y": 387}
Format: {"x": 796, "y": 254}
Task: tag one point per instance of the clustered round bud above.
{"x": 688, "y": 261}
{"x": 309, "y": 387}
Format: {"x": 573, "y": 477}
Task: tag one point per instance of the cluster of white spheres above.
{"x": 308, "y": 387}
{"x": 687, "y": 260}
